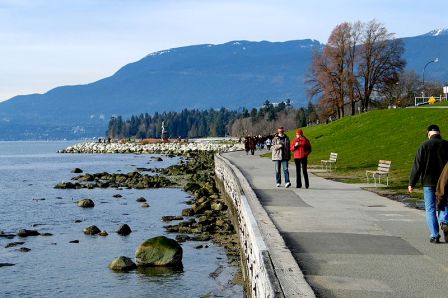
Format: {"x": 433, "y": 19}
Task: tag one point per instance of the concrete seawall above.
{"x": 270, "y": 267}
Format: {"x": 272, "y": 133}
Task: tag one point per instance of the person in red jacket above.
{"x": 301, "y": 147}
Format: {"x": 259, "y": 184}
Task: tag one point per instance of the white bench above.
{"x": 382, "y": 170}
{"x": 328, "y": 163}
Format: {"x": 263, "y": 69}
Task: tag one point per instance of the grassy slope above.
{"x": 364, "y": 139}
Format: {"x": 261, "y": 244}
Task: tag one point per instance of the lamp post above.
{"x": 424, "y": 68}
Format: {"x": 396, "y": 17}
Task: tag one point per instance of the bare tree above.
{"x": 380, "y": 61}
{"x": 359, "y": 59}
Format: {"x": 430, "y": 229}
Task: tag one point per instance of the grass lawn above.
{"x": 443, "y": 103}
{"x": 362, "y": 140}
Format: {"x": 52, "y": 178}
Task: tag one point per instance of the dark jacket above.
{"x": 303, "y": 148}
{"x": 429, "y": 161}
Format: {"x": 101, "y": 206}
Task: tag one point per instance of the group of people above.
{"x": 431, "y": 166}
{"x": 252, "y": 143}
{"x": 281, "y": 154}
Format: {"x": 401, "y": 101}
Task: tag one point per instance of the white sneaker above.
{"x": 287, "y": 184}
{"x": 278, "y": 184}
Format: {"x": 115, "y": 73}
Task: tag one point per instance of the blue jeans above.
{"x": 278, "y": 175}
{"x": 430, "y": 207}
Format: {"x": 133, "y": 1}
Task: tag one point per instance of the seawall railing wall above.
{"x": 258, "y": 265}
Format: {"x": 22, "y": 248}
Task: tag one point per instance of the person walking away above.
{"x": 301, "y": 147}
{"x": 268, "y": 143}
{"x": 441, "y": 200}
{"x": 431, "y": 157}
{"x": 280, "y": 155}
{"x": 246, "y": 145}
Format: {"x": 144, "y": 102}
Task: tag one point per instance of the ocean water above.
{"x": 56, "y": 268}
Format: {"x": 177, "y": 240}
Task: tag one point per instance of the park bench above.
{"x": 382, "y": 170}
{"x": 328, "y": 163}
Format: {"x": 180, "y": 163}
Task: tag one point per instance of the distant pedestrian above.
{"x": 246, "y": 145}
{"x": 301, "y": 147}
{"x": 280, "y": 155}
{"x": 431, "y": 157}
{"x": 268, "y": 143}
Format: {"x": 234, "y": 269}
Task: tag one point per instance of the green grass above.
{"x": 362, "y": 140}
{"x": 442, "y": 103}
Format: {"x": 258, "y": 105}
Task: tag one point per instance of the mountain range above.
{"x": 233, "y": 75}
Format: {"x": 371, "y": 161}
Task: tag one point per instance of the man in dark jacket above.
{"x": 429, "y": 161}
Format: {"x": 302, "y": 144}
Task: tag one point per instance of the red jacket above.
{"x": 303, "y": 149}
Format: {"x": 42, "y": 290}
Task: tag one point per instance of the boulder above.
{"x": 77, "y": 170}
{"x": 86, "y": 203}
{"x": 182, "y": 238}
{"x": 92, "y": 230}
{"x": 200, "y": 208}
{"x": 23, "y": 249}
{"x": 159, "y": 251}
{"x": 12, "y": 244}
{"x": 171, "y": 218}
{"x": 67, "y": 185}
{"x": 122, "y": 264}
{"x": 188, "y": 212}
{"x": 86, "y": 178}
{"x": 103, "y": 233}
{"x": 26, "y": 233}
{"x": 74, "y": 241}
{"x": 124, "y": 230}
{"x": 218, "y": 206}
{"x": 141, "y": 200}
{"x": 144, "y": 205}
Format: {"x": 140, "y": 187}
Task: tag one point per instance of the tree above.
{"x": 359, "y": 59}
{"x": 380, "y": 61}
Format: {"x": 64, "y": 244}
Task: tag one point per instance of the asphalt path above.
{"x": 350, "y": 242}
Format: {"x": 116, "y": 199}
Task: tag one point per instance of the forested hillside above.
{"x": 213, "y": 123}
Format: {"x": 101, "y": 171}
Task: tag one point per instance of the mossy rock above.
{"x": 159, "y": 251}
{"x": 26, "y": 233}
{"x": 86, "y": 203}
{"x": 92, "y": 230}
{"x": 122, "y": 263}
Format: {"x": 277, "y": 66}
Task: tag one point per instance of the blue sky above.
{"x": 49, "y": 43}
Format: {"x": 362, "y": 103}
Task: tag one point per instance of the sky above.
{"x": 50, "y": 43}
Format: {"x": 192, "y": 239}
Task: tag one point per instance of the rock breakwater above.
{"x": 166, "y": 148}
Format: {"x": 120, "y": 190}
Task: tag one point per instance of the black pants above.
{"x": 302, "y": 163}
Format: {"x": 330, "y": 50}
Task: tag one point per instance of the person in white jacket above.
{"x": 281, "y": 155}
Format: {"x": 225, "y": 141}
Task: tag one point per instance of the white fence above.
{"x": 424, "y": 99}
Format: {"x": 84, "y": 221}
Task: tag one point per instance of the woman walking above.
{"x": 301, "y": 147}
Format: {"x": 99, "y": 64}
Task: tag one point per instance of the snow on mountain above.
{"x": 437, "y": 32}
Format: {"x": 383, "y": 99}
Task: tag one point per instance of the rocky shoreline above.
{"x": 207, "y": 218}
{"x": 177, "y": 148}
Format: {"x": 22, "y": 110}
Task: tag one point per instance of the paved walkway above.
{"x": 350, "y": 242}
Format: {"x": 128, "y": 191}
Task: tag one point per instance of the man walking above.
{"x": 431, "y": 157}
{"x": 280, "y": 155}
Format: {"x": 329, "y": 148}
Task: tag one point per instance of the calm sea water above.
{"x": 56, "y": 268}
